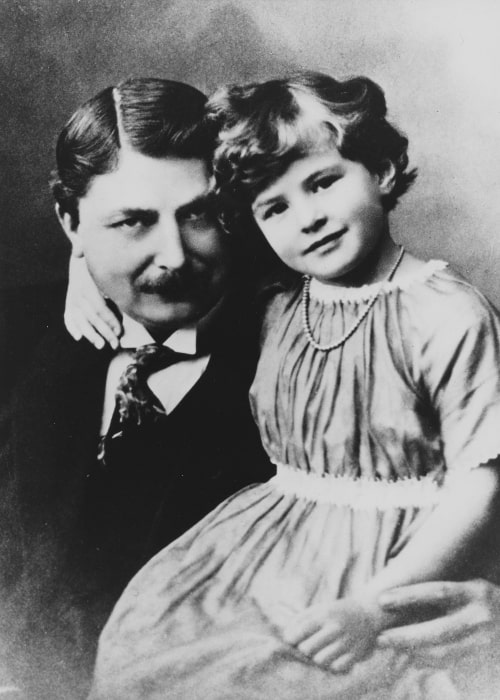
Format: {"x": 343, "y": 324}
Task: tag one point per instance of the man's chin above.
{"x": 161, "y": 316}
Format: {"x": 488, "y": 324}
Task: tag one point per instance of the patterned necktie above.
{"x": 136, "y": 405}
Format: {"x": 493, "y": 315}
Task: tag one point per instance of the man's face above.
{"x": 150, "y": 241}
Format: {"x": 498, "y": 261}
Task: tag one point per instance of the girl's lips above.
{"x": 325, "y": 240}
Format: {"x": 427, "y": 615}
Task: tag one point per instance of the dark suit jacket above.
{"x": 26, "y": 313}
{"x": 73, "y": 534}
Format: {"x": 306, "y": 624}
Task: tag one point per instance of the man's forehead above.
{"x": 144, "y": 182}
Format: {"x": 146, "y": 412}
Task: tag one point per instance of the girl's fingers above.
{"x": 343, "y": 663}
{"x": 100, "y": 324}
{"x": 100, "y": 308}
{"x": 330, "y": 653}
{"x": 318, "y": 641}
{"x": 84, "y": 296}
{"x": 71, "y": 327}
{"x": 299, "y": 631}
{"x": 87, "y": 330}
{"x": 308, "y": 623}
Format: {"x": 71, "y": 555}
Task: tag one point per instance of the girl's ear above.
{"x": 71, "y": 231}
{"x": 387, "y": 177}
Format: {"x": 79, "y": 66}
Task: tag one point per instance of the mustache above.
{"x": 173, "y": 284}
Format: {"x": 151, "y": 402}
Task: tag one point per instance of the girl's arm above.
{"x": 450, "y": 542}
{"x": 448, "y": 545}
{"x": 86, "y": 313}
{"x": 459, "y": 360}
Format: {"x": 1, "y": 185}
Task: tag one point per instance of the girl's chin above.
{"x": 344, "y": 276}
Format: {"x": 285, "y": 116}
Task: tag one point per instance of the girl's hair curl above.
{"x": 264, "y": 127}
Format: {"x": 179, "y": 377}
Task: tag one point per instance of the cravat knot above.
{"x": 135, "y": 401}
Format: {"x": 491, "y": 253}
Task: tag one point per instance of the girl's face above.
{"x": 324, "y": 215}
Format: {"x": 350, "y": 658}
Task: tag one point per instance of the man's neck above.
{"x": 183, "y": 340}
{"x": 136, "y": 333}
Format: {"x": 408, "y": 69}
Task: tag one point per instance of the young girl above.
{"x": 377, "y": 396}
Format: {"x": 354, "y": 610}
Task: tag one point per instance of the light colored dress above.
{"x": 364, "y": 438}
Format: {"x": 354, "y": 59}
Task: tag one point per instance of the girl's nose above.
{"x": 315, "y": 224}
{"x": 169, "y": 250}
{"x": 311, "y": 217}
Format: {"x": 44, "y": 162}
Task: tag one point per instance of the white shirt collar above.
{"x": 135, "y": 335}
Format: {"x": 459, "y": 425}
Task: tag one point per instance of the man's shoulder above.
{"x": 54, "y": 393}
{"x": 22, "y": 303}
{"x": 34, "y": 344}
{"x": 26, "y": 314}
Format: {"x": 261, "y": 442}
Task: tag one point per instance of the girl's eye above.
{"x": 274, "y": 210}
{"x": 323, "y": 183}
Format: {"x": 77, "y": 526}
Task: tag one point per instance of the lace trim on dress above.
{"x": 357, "y": 493}
{"x": 330, "y": 293}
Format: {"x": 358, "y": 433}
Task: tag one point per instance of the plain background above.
{"x": 437, "y": 60}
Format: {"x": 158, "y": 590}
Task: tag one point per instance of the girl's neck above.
{"x": 375, "y": 267}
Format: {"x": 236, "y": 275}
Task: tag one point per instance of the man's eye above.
{"x": 199, "y": 216}
{"x": 274, "y": 210}
{"x": 135, "y": 222}
{"x": 195, "y": 215}
{"x": 126, "y": 224}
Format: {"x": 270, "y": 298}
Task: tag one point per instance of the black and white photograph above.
{"x": 249, "y": 350}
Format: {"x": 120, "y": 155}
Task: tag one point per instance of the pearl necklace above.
{"x": 306, "y": 324}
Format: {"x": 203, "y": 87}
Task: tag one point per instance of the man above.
{"x": 110, "y": 455}
{"x": 461, "y": 631}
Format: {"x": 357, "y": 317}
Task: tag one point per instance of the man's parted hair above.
{"x": 155, "y": 117}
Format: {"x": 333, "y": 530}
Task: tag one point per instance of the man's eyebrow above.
{"x": 202, "y": 201}
{"x": 131, "y": 212}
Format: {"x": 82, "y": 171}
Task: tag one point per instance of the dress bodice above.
{"x": 389, "y": 403}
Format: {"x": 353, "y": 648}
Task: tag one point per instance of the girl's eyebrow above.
{"x": 262, "y": 204}
{"x": 335, "y": 169}
{"x": 327, "y": 170}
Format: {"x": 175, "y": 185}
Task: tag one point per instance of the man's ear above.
{"x": 71, "y": 231}
{"x": 387, "y": 177}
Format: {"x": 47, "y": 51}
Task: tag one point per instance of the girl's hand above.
{"x": 335, "y": 636}
{"x": 86, "y": 313}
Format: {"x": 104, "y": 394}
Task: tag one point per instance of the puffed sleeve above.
{"x": 462, "y": 372}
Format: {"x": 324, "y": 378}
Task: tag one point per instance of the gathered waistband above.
{"x": 357, "y": 493}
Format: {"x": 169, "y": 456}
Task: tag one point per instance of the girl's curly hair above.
{"x": 264, "y": 127}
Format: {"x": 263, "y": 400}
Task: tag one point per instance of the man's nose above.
{"x": 169, "y": 250}
{"x": 311, "y": 216}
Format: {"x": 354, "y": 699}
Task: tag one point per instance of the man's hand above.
{"x": 464, "y": 621}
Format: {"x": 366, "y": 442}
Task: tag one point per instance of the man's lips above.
{"x": 325, "y": 240}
